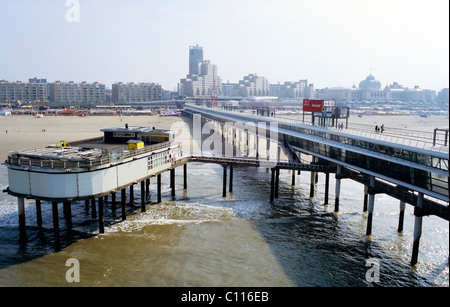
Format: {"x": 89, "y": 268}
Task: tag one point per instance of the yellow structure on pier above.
{"x": 135, "y": 144}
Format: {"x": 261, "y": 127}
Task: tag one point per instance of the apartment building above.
{"x": 23, "y": 92}
{"x": 136, "y": 92}
{"x": 203, "y": 84}
{"x": 71, "y": 92}
{"x": 250, "y": 86}
{"x": 287, "y": 90}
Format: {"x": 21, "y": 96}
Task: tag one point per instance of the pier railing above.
{"x": 413, "y": 138}
{"x": 17, "y": 159}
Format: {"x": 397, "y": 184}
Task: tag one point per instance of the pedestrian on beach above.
{"x": 382, "y": 128}
{"x": 376, "y": 128}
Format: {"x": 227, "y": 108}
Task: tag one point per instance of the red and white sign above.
{"x": 311, "y": 105}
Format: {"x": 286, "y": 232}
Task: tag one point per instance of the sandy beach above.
{"x": 25, "y": 132}
{"x": 403, "y": 121}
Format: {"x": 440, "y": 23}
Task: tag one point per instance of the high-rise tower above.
{"x": 195, "y": 58}
{"x": 202, "y": 79}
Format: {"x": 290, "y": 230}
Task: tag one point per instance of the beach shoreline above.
{"x": 26, "y": 132}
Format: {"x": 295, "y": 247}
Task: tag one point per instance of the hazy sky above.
{"x": 329, "y": 42}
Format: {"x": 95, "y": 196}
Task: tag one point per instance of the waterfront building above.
{"x": 71, "y": 92}
{"x": 443, "y": 96}
{"x": 254, "y": 85}
{"x": 300, "y": 89}
{"x": 251, "y": 85}
{"x": 136, "y": 92}
{"x": 22, "y": 92}
{"x": 371, "y": 90}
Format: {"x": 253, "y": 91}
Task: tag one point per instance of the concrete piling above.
{"x": 337, "y": 188}
{"x": 371, "y": 205}
{"x": 401, "y": 217}
{"x": 417, "y": 229}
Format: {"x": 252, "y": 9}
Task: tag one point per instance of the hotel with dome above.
{"x": 370, "y": 90}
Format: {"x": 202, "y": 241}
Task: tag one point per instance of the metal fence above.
{"x": 65, "y": 164}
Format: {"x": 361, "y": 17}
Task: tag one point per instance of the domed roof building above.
{"x": 370, "y": 84}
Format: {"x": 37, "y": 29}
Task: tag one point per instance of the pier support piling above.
{"x": 172, "y": 181}
{"x": 101, "y": 218}
{"x": 277, "y": 182}
{"x": 224, "y": 184}
{"x": 56, "y": 223}
{"x": 185, "y": 176}
{"x": 401, "y": 217}
{"x": 370, "y": 206}
{"x": 123, "y": 204}
{"x": 417, "y": 229}
{"x": 158, "y": 188}
{"x": 327, "y": 187}
{"x": 113, "y": 202}
{"x": 272, "y": 186}
{"x": 147, "y": 188}
{"x": 143, "y": 196}
{"x": 67, "y": 209}
{"x": 38, "y": 213}
{"x": 22, "y": 224}
{"x": 94, "y": 209}
{"x": 311, "y": 184}
{"x": 132, "y": 194}
{"x": 231, "y": 178}
{"x": 337, "y": 188}
{"x": 366, "y": 195}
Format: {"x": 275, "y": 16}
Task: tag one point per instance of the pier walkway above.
{"x": 412, "y": 172}
{"x": 419, "y": 169}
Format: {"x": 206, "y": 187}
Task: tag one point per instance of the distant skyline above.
{"x": 331, "y": 43}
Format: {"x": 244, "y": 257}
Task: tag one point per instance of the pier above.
{"x": 418, "y": 176}
{"x": 92, "y": 170}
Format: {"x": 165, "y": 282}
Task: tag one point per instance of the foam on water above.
{"x": 174, "y": 213}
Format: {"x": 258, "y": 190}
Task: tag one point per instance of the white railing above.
{"x": 62, "y": 163}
